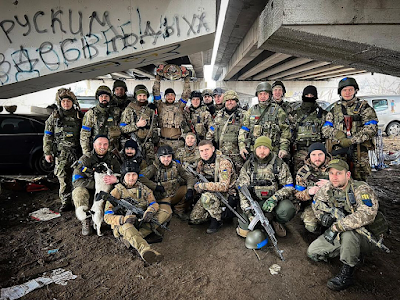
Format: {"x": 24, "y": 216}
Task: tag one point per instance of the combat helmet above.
{"x": 347, "y": 81}
{"x": 263, "y": 87}
{"x": 129, "y": 166}
{"x": 276, "y": 83}
{"x": 231, "y": 95}
{"x": 165, "y": 150}
{"x": 141, "y": 89}
{"x": 256, "y": 239}
{"x": 207, "y": 92}
{"x": 103, "y": 89}
{"x": 120, "y": 83}
{"x": 196, "y": 94}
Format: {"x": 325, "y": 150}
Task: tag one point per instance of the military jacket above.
{"x": 61, "y": 134}
{"x": 220, "y": 174}
{"x": 84, "y": 168}
{"x": 307, "y": 176}
{"x": 364, "y": 125}
{"x": 225, "y": 129}
{"x": 358, "y": 214}
{"x": 139, "y": 192}
{"x": 267, "y": 178}
{"x": 308, "y": 125}
{"x": 199, "y": 119}
{"x": 190, "y": 156}
{"x": 98, "y": 120}
{"x": 132, "y": 114}
{"x": 169, "y": 177}
{"x": 273, "y": 124}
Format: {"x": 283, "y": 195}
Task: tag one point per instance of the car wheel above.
{"x": 393, "y": 128}
{"x": 41, "y": 165}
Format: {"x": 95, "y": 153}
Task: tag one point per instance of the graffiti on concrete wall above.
{"x": 100, "y": 37}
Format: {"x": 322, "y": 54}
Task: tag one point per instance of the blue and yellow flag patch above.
{"x": 366, "y": 199}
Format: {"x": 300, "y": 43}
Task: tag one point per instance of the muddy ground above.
{"x": 196, "y": 265}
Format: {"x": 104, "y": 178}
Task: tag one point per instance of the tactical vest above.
{"x": 144, "y": 112}
{"x": 197, "y": 119}
{"x": 312, "y": 177}
{"x": 171, "y": 116}
{"x": 169, "y": 177}
{"x": 66, "y": 131}
{"x": 106, "y": 122}
{"x": 185, "y": 155}
{"x": 136, "y": 192}
{"x": 309, "y": 127}
{"x": 227, "y": 127}
{"x": 263, "y": 177}
{"x": 267, "y": 126}
{"x": 211, "y": 171}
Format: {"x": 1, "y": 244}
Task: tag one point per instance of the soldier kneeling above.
{"x": 123, "y": 223}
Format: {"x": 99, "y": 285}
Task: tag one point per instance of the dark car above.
{"x": 21, "y": 139}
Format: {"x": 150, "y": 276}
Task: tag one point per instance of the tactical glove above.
{"x": 131, "y": 219}
{"x": 148, "y": 216}
{"x": 345, "y": 143}
{"x": 330, "y": 235}
{"x": 160, "y": 189}
{"x": 327, "y": 220}
{"x": 189, "y": 195}
{"x": 270, "y": 204}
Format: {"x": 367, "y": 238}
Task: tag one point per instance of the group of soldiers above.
{"x": 191, "y": 160}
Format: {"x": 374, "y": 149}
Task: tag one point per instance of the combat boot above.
{"x": 151, "y": 256}
{"x": 343, "y": 280}
{"x": 214, "y": 226}
{"x": 86, "y": 227}
{"x": 279, "y": 229}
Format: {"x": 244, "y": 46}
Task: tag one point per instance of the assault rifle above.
{"x": 128, "y": 204}
{"x": 219, "y": 195}
{"x": 338, "y": 214}
{"x": 260, "y": 217}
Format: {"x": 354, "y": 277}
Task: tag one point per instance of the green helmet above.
{"x": 263, "y": 87}
{"x": 231, "y": 95}
{"x": 120, "y": 83}
{"x": 256, "y": 239}
{"x": 347, "y": 81}
{"x": 141, "y": 89}
{"x": 207, "y": 92}
{"x": 103, "y": 89}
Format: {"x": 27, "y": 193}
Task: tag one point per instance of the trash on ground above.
{"x": 275, "y": 269}
{"x": 52, "y": 251}
{"x": 58, "y": 276}
{"x": 44, "y": 214}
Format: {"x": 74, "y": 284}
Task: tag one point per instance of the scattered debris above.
{"x": 44, "y": 214}
{"x": 274, "y": 269}
{"x": 52, "y": 251}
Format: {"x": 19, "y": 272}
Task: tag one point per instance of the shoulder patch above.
{"x": 366, "y": 199}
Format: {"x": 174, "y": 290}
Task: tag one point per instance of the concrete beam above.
{"x": 341, "y": 75}
{"x": 270, "y": 61}
{"x": 290, "y": 64}
{"x": 64, "y": 41}
{"x": 143, "y": 73}
{"x": 302, "y": 68}
{"x": 360, "y": 34}
{"x": 339, "y": 71}
{"x": 314, "y": 71}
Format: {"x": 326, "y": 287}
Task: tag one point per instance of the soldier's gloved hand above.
{"x": 270, "y": 204}
{"x": 339, "y": 135}
{"x": 244, "y": 153}
{"x": 148, "y": 216}
{"x": 189, "y": 195}
{"x": 282, "y": 153}
{"x": 345, "y": 142}
{"x": 131, "y": 219}
{"x": 330, "y": 235}
{"x": 327, "y": 220}
{"x": 160, "y": 189}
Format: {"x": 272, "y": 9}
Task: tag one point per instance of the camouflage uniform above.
{"x": 273, "y": 124}
{"x": 61, "y": 139}
{"x": 120, "y": 101}
{"x": 266, "y": 178}
{"x": 190, "y": 155}
{"x": 199, "y": 119}
{"x": 309, "y": 118}
{"x": 147, "y": 136}
{"x": 221, "y": 176}
{"x": 99, "y": 120}
{"x": 224, "y": 131}
{"x": 359, "y": 214}
{"x": 171, "y": 118}
{"x": 363, "y": 130}
{"x": 306, "y": 177}
{"x": 170, "y": 178}
{"x": 83, "y": 181}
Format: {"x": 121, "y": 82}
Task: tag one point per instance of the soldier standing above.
{"x": 269, "y": 179}
{"x": 265, "y": 119}
{"x": 120, "y": 98}
{"x": 278, "y": 93}
{"x": 190, "y": 153}
{"x": 308, "y": 126}
{"x": 103, "y": 119}
{"x": 83, "y": 179}
{"x": 358, "y": 204}
{"x": 208, "y": 100}
{"x": 350, "y": 128}
{"x": 225, "y": 129}
{"x": 197, "y": 115}
{"x": 125, "y": 225}
{"x": 171, "y": 117}
{"x": 218, "y": 95}
{"x": 220, "y": 172}
{"x": 138, "y": 118}
{"x": 164, "y": 177}
{"x": 61, "y": 142}
{"x": 309, "y": 179}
